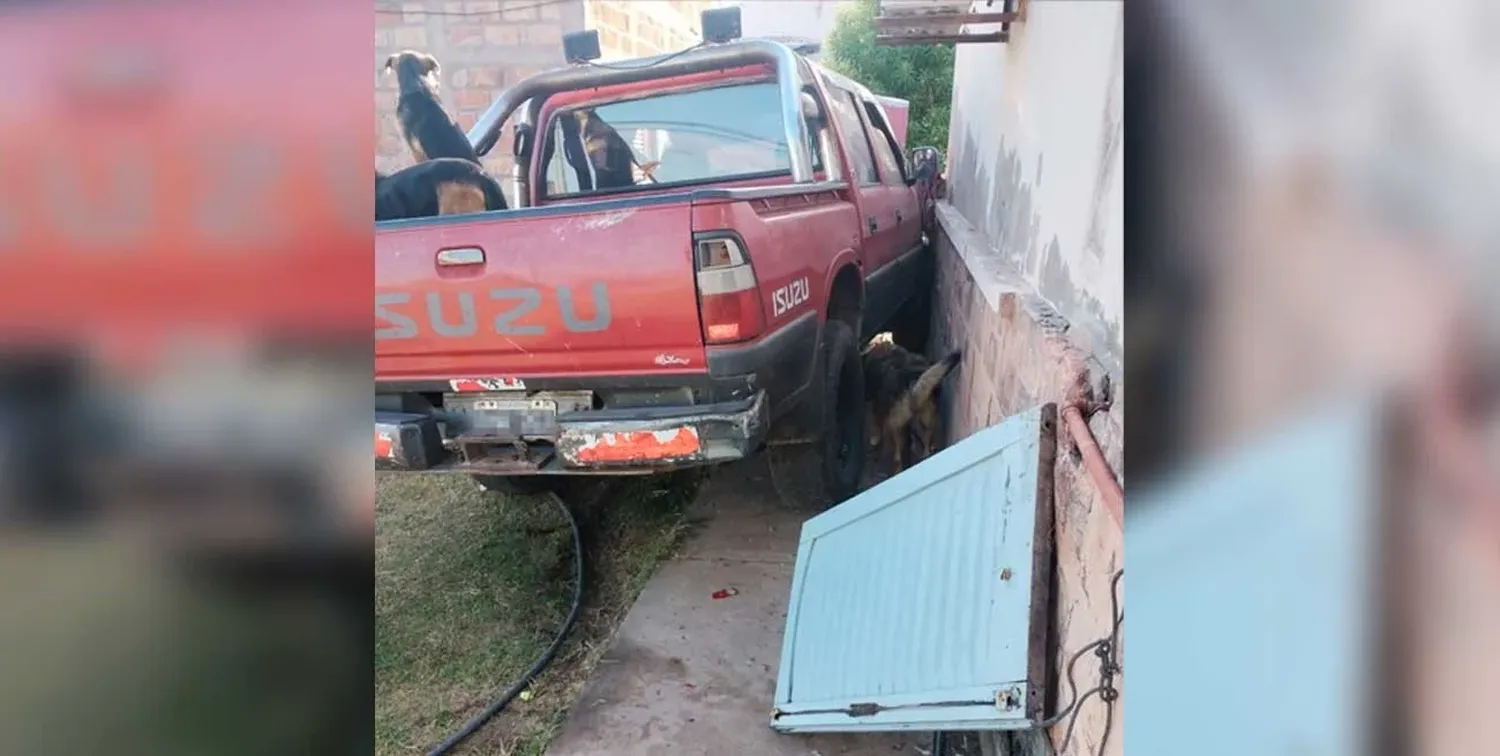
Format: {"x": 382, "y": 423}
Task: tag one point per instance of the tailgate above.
{"x": 601, "y": 288}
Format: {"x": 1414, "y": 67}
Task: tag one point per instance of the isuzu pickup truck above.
{"x": 714, "y": 305}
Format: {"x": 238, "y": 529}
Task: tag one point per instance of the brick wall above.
{"x": 633, "y": 28}
{"x": 485, "y": 46}
{"x": 1018, "y": 352}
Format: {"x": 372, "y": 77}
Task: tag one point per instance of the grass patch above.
{"x": 470, "y": 588}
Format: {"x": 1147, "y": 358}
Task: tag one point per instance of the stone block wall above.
{"x": 1019, "y": 352}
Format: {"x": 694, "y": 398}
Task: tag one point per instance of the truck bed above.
{"x": 591, "y": 288}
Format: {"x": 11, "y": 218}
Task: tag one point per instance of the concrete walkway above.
{"x": 690, "y": 674}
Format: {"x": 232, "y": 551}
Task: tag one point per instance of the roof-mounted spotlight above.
{"x": 721, "y": 24}
{"x": 581, "y": 46}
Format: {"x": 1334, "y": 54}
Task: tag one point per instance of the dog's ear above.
{"x": 390, "y": 63}
{"x": 429, "y": 64}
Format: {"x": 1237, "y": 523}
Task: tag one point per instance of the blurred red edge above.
{"x": 173, "y": 163}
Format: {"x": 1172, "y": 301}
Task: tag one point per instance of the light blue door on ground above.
{"x": 913, "y": 608}
{"x": 914, "y": 605}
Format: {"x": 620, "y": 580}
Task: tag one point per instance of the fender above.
{"x": 845, "y": 256}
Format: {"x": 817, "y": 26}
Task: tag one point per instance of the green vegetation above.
{"x": 920, "y": 74}
{"x": 470, "y": 587}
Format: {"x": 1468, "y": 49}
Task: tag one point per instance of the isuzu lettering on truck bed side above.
{"x": 456, "y": 314}
{"x": 717, "y": 302}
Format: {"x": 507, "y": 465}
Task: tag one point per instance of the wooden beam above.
{"x": 934, "y": 39}
{"x": 923, "y": 20}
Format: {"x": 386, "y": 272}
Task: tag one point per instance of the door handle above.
{"x": 460, "y": 256}
{"x": 872, "y": 224}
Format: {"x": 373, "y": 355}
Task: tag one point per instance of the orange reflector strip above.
{"x": 384, "y": 446}
{"x": 639, "y": 445}
{"x": 724, "y": 331}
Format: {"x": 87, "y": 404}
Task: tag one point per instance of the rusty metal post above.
{"x": 1094, "y": 462}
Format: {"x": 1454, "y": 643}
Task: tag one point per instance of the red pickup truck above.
{"x": 715, "y": 304}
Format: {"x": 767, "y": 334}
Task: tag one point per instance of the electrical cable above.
{"x": 392, "y": 10}
{"x": 479, "y": 720}
{"x": 643, "y": 66}
{"x": 1104, "y": 648}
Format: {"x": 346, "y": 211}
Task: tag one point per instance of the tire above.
{"x": 841, "y": 430}
{"x": 519, "y": 485}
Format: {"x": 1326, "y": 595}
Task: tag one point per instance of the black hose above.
{"x": 939, "y": 743}
{"x": 541, "y": 663}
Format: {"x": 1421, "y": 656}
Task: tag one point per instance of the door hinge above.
{"x": 1008, "y": 699}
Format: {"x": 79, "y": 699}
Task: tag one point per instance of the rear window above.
{"x": 687, "y": 137}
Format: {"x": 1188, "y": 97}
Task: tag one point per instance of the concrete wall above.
{"x": 1035, "y": 161}
{"x": 1029, "y": 285}
{"x": 485, "y": 46}
{"x": 812, "y": 20}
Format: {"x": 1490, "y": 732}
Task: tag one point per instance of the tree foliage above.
{"x": 919, "y": 74}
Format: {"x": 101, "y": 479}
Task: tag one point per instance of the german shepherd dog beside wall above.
{"x": 425, "y": 126}
{"x": 443, "y": 186}
{"x": 901, "y": 390}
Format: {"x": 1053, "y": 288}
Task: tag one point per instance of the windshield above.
{"x": 684, "y": 137}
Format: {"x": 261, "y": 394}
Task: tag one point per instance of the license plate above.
{"x": 516, "y": 417}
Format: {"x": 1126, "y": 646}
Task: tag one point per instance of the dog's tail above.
{"x": 926, "y": 384}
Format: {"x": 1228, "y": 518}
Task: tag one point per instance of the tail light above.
{"x": 728, "y": 294}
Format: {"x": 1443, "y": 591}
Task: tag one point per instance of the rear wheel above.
{"x": 841, "y": 438}
{"x": 517, "y": 484}
{"x": 815, "y": 473}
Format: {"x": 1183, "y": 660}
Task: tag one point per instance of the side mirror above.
{"x": 924, "y": 163}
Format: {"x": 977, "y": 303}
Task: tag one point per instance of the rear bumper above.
{"x": 620, "y": 441}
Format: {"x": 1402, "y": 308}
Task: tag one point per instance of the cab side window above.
{"x": 892, "y": 169}
{"x": 861, "y": 156}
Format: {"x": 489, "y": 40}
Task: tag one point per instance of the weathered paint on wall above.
{"x": 1037, "y": 166}
{"x": 1030, "y": 271}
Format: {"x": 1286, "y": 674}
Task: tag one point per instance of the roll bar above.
{"x": 486, "y": 131}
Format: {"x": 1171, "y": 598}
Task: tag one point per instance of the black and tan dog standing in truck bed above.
{"x": 425, "y": 126}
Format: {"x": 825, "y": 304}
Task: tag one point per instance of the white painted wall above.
{"x": 811, "y": 19}
{"x": 1035, "y": 157}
